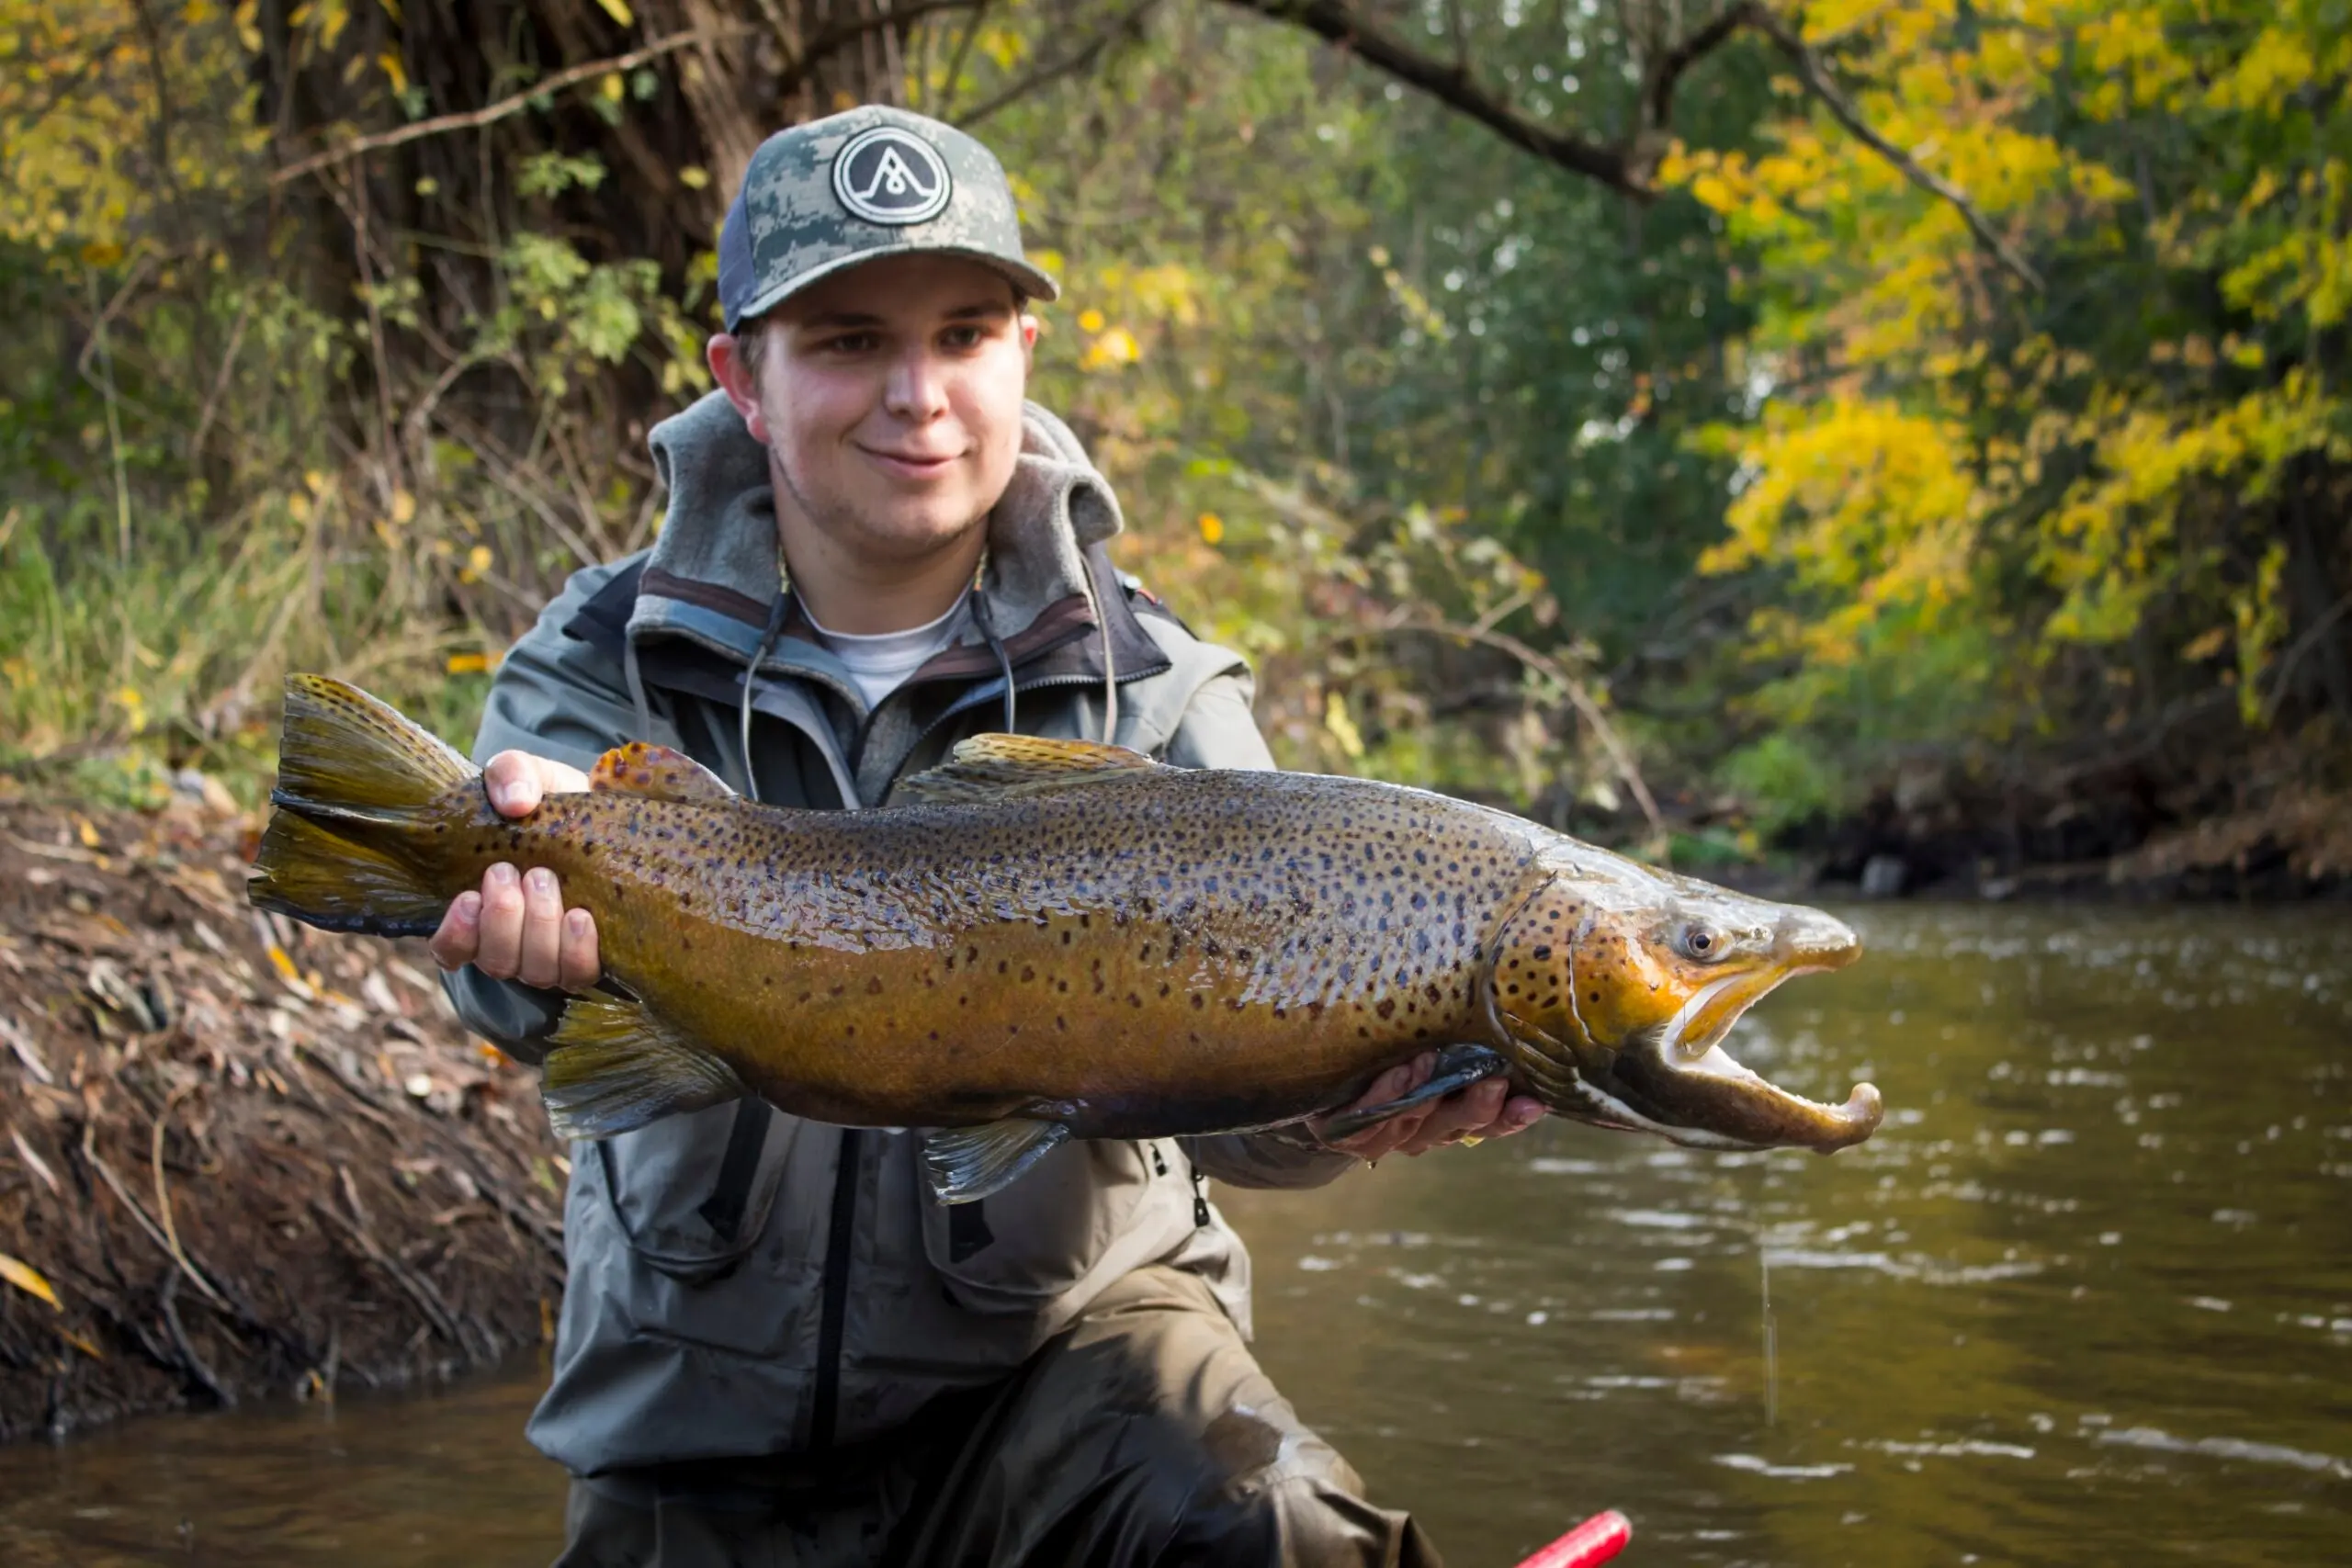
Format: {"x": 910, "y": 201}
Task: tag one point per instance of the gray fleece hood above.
{"x": 715, "y": 571}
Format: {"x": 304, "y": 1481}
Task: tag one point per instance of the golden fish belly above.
{"x": 1166, "y": 953}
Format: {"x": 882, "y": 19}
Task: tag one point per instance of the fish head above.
{"x": 1615, "y": 985}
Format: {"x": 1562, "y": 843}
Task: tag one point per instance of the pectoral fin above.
{"x": 994, "y": 767}
{"x": 659, "y": 772}
{"x": 967, "y": 1163}
{"x": 615, "y": 1067}
{"x": 1458, "y": 1066}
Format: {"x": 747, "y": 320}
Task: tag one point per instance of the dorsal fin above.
{"x": 996, "y": 767}
{"x": 658, "y": 773}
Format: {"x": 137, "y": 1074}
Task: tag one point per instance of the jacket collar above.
{"x": 694, "y": 609}
{"x": 713, "y": 573}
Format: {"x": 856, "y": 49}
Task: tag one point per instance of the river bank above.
{"x": 2267, "y": 821}
{"x": 240, "y": 1158}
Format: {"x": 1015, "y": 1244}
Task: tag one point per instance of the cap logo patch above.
{"x": 889, "y": 176}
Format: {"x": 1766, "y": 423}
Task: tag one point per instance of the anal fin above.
{"x": 969, "y": 1163}
{"x": 657, "y": 773}
{"x": 614, "y": 1068}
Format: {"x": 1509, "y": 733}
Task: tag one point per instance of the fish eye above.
{"x": 1701, "y": 943}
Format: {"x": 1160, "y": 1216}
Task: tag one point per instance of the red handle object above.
{"x": 1593, "y": 1542}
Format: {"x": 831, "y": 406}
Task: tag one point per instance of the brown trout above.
{"x": 1043, "y": 940}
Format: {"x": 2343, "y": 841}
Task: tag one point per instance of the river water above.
{"x": 2086, "y": 1299}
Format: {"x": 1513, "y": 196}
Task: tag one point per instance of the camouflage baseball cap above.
{"x": 868, "y": 182}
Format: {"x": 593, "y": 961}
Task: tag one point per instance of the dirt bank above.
{"x": 246, "y": 1159}
{"x": 2236, "y": 820}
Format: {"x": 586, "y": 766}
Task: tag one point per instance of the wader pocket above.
{"x": 1032, "y": 1240}
{"x": 692, "y": 1192}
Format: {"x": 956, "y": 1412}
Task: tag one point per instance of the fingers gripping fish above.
{"x": 1043, "y": 940}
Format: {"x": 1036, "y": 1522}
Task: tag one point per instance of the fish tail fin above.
{"x": 359, "y": 789}
{"x": 612, "y": 1066}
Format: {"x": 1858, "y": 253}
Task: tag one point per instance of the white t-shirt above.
{"x": 880, "y": 664}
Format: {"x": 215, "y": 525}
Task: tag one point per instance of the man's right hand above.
{"x": 515, "y": 927}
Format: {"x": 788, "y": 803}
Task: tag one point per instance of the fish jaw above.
{"x": 1680, "y": 1082}
{"x": 1707, "y": 1101}
{"x": 1670, "y": 1075}
{"x": 1732, "y": 1107}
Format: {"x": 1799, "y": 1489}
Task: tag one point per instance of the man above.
{"x": 774, "y": 1346}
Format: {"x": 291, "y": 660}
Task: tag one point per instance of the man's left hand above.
{"x": 1485, "y": 1109}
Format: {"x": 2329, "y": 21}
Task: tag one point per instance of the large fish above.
{"x": 1051, "y": 939}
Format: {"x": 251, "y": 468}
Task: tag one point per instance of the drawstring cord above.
{"x": 986, "y": 619}
{"x": 750, "y": 676}
{"x": 634, "y": 678}
{"x": 981, "y": 614}
{"x": 1110, "y": 674}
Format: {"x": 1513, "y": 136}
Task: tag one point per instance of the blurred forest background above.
{"x": 1909, "y": 429}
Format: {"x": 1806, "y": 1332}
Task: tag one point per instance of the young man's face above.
{"x": 889, "y": 398}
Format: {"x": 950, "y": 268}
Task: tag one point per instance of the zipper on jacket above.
{"x": 1200, "y": 1201}
{"x": 840, "y": 1243}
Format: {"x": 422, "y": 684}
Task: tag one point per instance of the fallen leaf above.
{"x": 78, "y": 1342}
{"x": 290, "y": 976}
{"x": 27, "y": 1279}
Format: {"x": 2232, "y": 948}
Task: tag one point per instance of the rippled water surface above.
{"x": 2086, "y": 1299}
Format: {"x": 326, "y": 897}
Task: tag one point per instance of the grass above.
{"x": 116, "y": 672}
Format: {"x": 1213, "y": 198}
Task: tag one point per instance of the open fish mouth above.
{"x": 1677, "y": 1082}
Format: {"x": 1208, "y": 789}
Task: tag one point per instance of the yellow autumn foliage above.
{"x": 2035, "y": 470}
{"x": 107, "y": 110}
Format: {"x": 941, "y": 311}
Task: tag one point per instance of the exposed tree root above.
{"x": 250, "y": 1159}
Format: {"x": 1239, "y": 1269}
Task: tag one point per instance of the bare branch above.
{"x": 1332, "y": 21}
{"x": 1841, "y": 108}
{"x": 1625, "y": 166}
{"x": 962, "y": 51}
{"x": 1126, "y": 25}
{"x": 489, "y": 114}
{"x": 1657, "y": 92}
{"x": 831, "y": 37}
{"x": 1580, "y": 695}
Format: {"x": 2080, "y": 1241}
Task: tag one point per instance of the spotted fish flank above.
{"x": 1053, "y": 939}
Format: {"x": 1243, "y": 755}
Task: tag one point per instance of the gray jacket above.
{"x": 744, "y": 1283}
